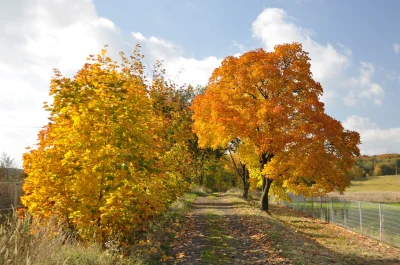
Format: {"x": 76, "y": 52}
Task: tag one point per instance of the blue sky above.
{"x": 354, "y": 47}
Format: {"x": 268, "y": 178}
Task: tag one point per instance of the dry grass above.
{"x": 368, "y": 196}
{"x": 306, "y": 240}
{"x": 22, "y": 242}
{"x": 380, "y": 183}
{"x": 50, "y": 245}
{"x": 200, "y": 190}
{"x": 374, "y": 189}
{"x": 345, "y": 247}
{"x": 235, "y": 191}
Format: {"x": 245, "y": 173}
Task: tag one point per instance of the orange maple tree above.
{"x": 270, "y": 101}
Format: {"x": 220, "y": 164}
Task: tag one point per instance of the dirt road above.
{"x": 225, "y": 229}
{"x": 215, "y": 234}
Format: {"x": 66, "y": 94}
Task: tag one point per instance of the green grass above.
{"x": 350, "y": 218}
{"x": 218, "y": 248}
{"x": 306, "y": 240}
{"x": 345, "y": 247}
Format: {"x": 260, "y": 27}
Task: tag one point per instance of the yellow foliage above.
{"x": 100, "y": 164}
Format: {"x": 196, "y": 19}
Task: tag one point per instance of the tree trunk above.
{"x": 264, "y": 159}
{"x": 201, "y": 179}
{"x": 264, "y": 182}
{"x": 246, "y": 184}
{"x": 237, "y": 173}
{"x": 246, "y": 191}
{"x": 264, "y": 195}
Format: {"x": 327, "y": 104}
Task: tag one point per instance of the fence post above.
{"x": 298, "y": 202}
{"x": 380, "y": 221}
{"x": 344, "y": 213}
{"x": 312, "y": 205}
{"x": 293, "y": 202}
{"x": 332, "y": 212}
{"x": 361, "y": 226}
{"x": 327, "y": 209}
{"x": 320, "y": 207}
{"x": 15, "y": 195}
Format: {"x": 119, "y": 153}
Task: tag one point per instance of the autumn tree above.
{"x": 101, "y": 163}
{"x": 239, "y": 166}
{"x": 356, "y": 172}
{"x": 184, "y": 157}
{"x": 270, "y": 101}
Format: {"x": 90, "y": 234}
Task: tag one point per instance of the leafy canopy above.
{"x": 270, "y": 101}
{"x": 102, "y": 160}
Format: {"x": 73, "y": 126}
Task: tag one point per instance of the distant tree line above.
{"x": 9, "y": 168}
{"x": 377, "y": 165}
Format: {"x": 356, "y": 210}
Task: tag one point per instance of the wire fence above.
{"x": 377, "y": 220}
{"x": 10, "y": 195}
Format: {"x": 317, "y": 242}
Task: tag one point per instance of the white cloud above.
{"x": 37, "y": 36}
{"x": 328, "y": 64}
{"x": 273, "y": 26}
{"x": 374, "y": 139}
{"x": 239, "y": 46}
{"x": 363, "y": 87}
{"x": 396, "y": 48}
{"x": 181, "y": 69}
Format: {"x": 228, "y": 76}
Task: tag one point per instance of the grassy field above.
{"x": 382, "y": 189}
{"x": 384, "y": 183}
{"x": 373, "y": 189}
{"x": 347, "y": 214}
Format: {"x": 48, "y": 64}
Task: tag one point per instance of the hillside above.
{"x": 377, "y": 165}
{"x": 374, "y": 189}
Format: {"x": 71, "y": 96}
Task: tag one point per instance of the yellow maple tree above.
{"x": 100, "y": 164}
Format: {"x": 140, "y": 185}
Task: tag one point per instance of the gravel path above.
{"x": 225, "y": 229}
{"x": 214, "y": 234}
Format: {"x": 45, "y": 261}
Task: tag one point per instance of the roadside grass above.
{"x": 235, "y": 191}
{"x": 155, "y": 245}
{"x": 51, "y": 245}
{"x": 349, "y": 247}
{"x": 212, "y": 196}
{"x": 305, "y": 240}
{"x": 200, "y": 190}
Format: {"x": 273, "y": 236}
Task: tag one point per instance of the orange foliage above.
{"x": 271, "y": 100}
